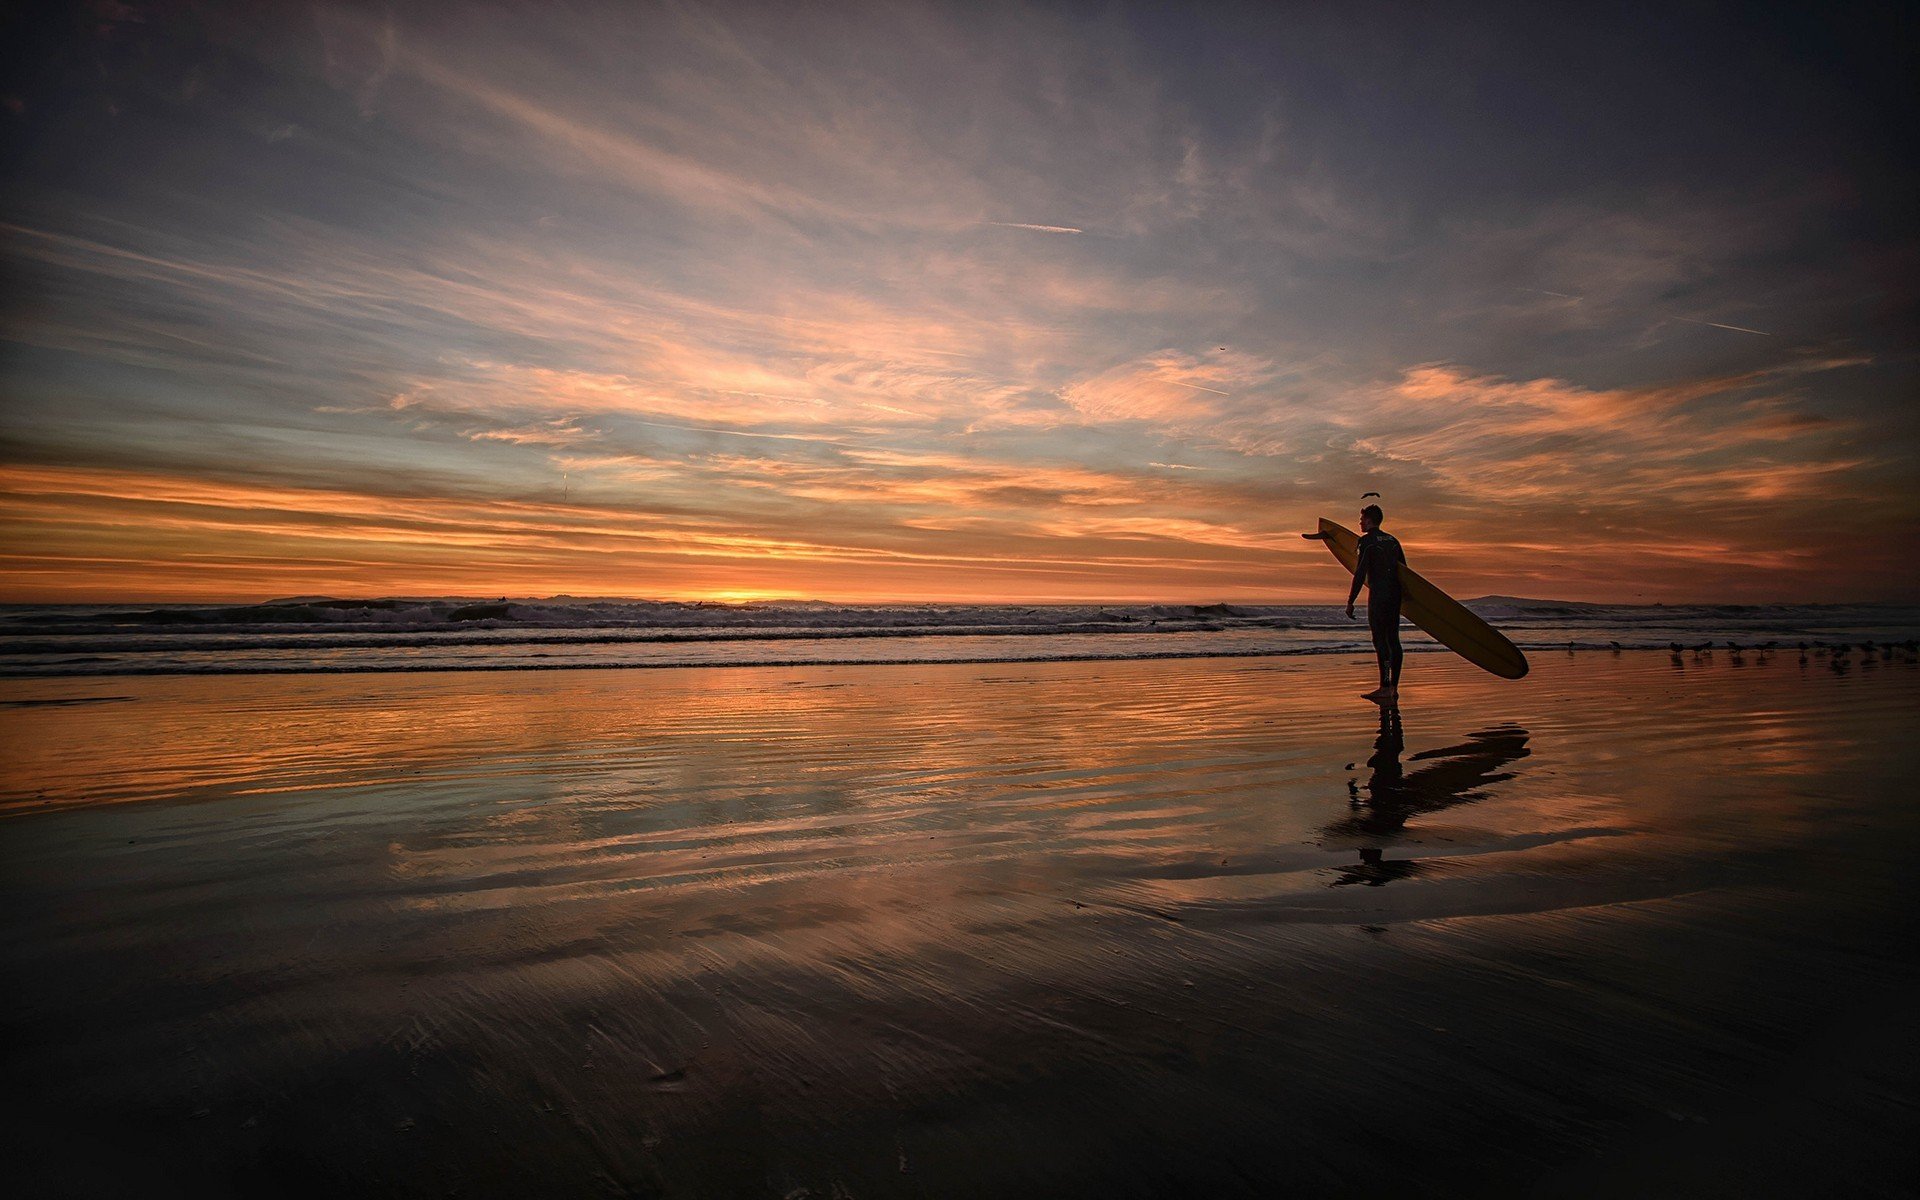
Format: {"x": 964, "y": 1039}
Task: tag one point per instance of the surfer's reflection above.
{"x": 1379, "y": 810}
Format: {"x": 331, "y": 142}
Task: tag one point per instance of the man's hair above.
{"x": 1372, "y": 511}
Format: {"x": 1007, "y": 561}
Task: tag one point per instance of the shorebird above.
{"x": 1676, "y": 647}
{"x": 1616, "y": 646}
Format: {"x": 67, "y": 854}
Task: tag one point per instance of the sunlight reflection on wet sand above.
{"x": 950, "y": 930}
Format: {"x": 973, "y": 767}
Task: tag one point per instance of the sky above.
{"x": 968, "y": 302}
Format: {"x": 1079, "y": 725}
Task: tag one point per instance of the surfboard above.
{"x": 1443, "y": 618}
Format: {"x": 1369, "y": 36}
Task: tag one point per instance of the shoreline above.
{"x": 480, "y": 667}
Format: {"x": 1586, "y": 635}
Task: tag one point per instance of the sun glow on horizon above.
{"x": 741, "y": 596}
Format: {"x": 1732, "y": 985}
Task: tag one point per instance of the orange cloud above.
{"x": 184, "y": 537}
{"x": 1170, "y": 388}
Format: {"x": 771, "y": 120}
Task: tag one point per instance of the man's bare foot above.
{"x": 1378, "y": 694}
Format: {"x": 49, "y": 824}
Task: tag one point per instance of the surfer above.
{"x": 1379, "y": 569}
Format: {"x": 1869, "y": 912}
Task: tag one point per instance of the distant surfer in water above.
{"x": 1379, "y": 569}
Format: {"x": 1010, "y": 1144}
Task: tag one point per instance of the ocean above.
{"x": 320, "y": 635}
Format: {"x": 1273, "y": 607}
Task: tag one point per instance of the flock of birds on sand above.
{"x": 1838, "y": 654}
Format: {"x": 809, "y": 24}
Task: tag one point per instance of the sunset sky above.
{"x": 955, "y": 302}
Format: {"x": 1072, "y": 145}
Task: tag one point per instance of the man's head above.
{"x": 1370, "y": 518}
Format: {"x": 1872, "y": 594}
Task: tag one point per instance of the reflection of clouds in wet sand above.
{"x": 1050, "y": 929}
{"x": 1454, "y": 775}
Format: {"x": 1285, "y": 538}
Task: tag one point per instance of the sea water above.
{"x": 339, "y": 635}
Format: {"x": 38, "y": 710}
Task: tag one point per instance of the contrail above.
{"x": 1545, "y": 292}
{"x": 1178, "y": 466}
{"x": 1196, "y": 387}
{"x": 1718, "y": 325}
{"x": 1036, "y": 228}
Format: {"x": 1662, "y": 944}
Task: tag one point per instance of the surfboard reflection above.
{"x": 1392, "y": 796}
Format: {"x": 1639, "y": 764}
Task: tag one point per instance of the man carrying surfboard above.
{"x": 1400, "y": 590}
{"x": 1378, "y": 568}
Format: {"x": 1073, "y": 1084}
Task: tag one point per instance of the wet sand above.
{"x": 1203, "y": 927}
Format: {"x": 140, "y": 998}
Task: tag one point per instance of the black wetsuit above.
{"x": 1379, "y": 570}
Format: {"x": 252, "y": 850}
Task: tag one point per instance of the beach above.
{"x": 1638, "y": 924}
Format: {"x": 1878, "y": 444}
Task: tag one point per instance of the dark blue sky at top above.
{"x": 1509, "y": 102}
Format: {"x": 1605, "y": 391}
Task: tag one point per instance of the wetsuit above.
{"x": 1379, "y": 570}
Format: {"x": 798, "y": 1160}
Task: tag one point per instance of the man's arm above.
{"x": 1359, "y": 576}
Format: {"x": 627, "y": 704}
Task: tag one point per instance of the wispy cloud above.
{"x": 561, "y": 431}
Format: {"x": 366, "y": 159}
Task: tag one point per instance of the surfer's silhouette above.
{"x": 1379, "y": 569}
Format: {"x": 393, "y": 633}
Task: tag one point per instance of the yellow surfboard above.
{"x": 1443, "y": 618}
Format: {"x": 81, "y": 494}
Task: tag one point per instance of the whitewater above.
{"x": 315, "y": 634}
